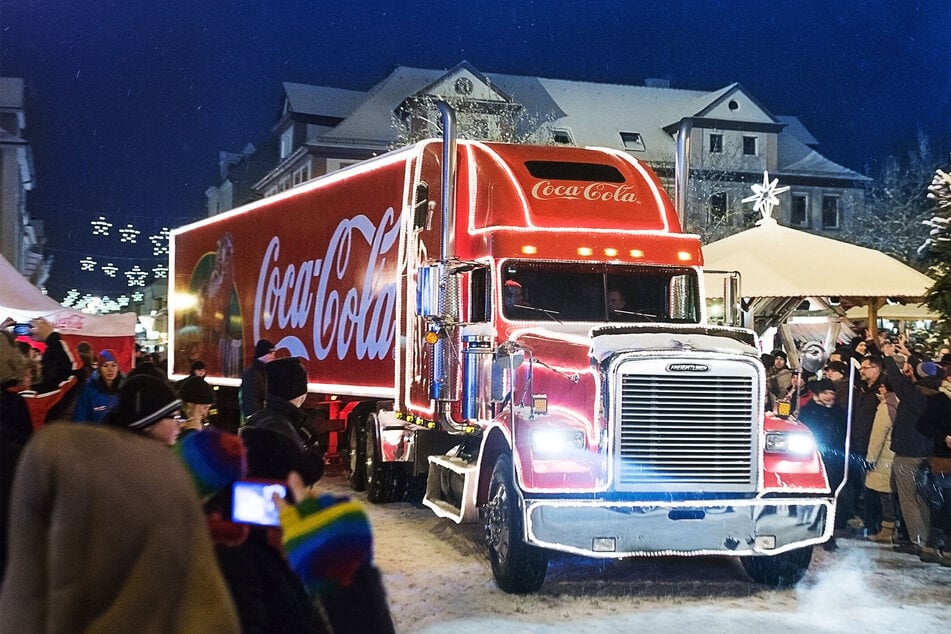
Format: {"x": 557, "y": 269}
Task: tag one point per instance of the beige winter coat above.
{"x": 880, "y": 446}
{"x": 107, "y": 535}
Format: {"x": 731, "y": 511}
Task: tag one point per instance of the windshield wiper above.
{"x": 549, "y": 313}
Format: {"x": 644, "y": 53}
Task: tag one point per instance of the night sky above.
{"x": 129, "y": 103}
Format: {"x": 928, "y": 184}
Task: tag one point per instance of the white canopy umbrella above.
{"x": 779, "y": 262}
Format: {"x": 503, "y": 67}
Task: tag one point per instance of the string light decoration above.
{"x": 110, "y": 269}
{"x": 160, "y": 272}
{"x": 138, "y": 296}
{"x": 87, "y": 264}
{"x": 129, "y": 234}
{"x": 100, "y": 226}
{"x": 160, "y": 242}
{"x": 136, "y": 276}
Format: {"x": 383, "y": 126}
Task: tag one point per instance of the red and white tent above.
{"x": 22, "y": 301}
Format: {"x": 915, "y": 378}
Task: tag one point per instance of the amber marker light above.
{"x": 529, "y": 249}
{"x": 684, "y": 256}
{"x": 636, "y": 253}
{"x": 611, "y": 253}
{"x": 585, "y": 251}
{"x": 432, "y": 337}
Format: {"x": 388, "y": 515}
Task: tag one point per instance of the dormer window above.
{"x": 561, "y": 136}
{"x": 633, "y": 141}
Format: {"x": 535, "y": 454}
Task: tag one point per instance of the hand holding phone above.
{"x": 252, "y": 502}
{"x": 24, "y": 329}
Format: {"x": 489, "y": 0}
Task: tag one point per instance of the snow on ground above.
{"x": 438, "y": 579}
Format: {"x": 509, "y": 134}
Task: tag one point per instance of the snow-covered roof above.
{"x": 594, "y": 113}
{"x": 322, "y": 100}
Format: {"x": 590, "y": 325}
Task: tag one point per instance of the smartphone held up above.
{"x": 252, "y": 502}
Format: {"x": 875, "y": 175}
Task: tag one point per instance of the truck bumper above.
{"x": 614, "y": 530}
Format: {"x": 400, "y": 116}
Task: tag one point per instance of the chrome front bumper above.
{"x": 615, "y": 530}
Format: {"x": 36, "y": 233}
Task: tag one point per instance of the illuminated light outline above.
{"x": 610, "y": 252}
{"x": 529, "y": 249}
{"x": 655, "y": 191}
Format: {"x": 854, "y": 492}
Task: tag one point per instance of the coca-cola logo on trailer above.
{"x": 606, "y": 192}
{"x": 323, "y": 295}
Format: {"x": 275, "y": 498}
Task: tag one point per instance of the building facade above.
{"x": 733, "y": 138}
{"x": 21, "y": 236}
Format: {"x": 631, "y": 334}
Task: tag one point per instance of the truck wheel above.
{"x": 518, "y": 567}
{"x": 386, "y": 481}
{"x": 779, "y": 571}
{"x": 357, "y": 453}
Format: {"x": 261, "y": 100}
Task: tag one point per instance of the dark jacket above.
{"x": 294, "y": 449}
{"x": 58, "y": 366}
{"x": 253, "y": 389}
{"x": 935, "y": 423}
{"x": 827, "y": 425}
{"x": 268, "y": 595}
{"x": 906, "y": 439}
{"x": 863, "y": 416}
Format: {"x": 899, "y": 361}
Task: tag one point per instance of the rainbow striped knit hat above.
{"x": 215, "y": 459}
{"x": 327, "y": 540}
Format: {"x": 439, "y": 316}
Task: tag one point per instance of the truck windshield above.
{"x": 558, "y": 292}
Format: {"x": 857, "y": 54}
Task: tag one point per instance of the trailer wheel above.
{"x": 357, "y": 453}
{"x": 518, "y": 567}
{"x": 385, "y": 481}
{"x": 779, "y": 571}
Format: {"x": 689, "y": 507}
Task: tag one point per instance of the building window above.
{"x": 560, "y": 136}
{"x": 830, "y": 212}
{"x": 302, "y": 174}
{"x": 749, "y": 145}
{"x": 287, "y": 142}
{"x": 717, "y": 208}
{"x": 799, "y": 211}
{"x": 633, "y": 141}
{"x": 716, "y": 144}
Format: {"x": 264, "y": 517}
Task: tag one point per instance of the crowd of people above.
{"x": 881, "y": 417}
{"x": 117, "y": 501}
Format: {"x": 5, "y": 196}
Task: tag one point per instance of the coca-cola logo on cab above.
{"x": 337, "y": 309}
{"x": 606, "y": 192}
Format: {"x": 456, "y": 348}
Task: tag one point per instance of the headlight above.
{"x": 795, "y": 444}
{"x": 557, "y": 441}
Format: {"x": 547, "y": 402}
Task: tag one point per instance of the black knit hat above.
{"x": 143, "y": 401}
{"x": 262, "y": 347}
{"x": 779, "y": 353}
{"x": 196, "y": 390}
{"x": 286, "y": 378}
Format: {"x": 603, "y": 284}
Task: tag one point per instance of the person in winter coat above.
{"x": 101, "y": 391}
{"x": 107, "y": 534}
{"x": 911, "y": 447}
{"x": 197, "y": 398}
{"x": 935, "y": 423}
{"x": 254, "y": 381}
{"x": 778, "y": 378}
{"x": 827, "y": 422}
{"x": 878, "y": 488}
{"x": 147, "y": 406}
{"x": 865, "y": 403}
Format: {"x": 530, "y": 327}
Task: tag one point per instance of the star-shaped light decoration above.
{"x": 100, "y": 226}
{"x": 160, "y": 272}
{"x": 110, "y": 269}
{"x": 136, "y": 276}
{"x": 87, "y": 264}
{"x": 129, "y": 234}
{"x": 765, "y": 196}
{"x": 160, "y": 242}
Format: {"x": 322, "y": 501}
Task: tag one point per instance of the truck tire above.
{"x": 385, "y": 481}
{"x": 779, "y": 571}
{"x": 518, "y": 567}
{"x": 357, "y": 453}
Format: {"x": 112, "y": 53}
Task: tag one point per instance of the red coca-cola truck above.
{"x": 524, "y": 330}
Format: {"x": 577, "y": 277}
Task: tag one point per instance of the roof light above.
{"x": 529, "y": 249}
{"x": 585, "y": 251}
{"x": 684, "y": 256}
{"x": 611, "y": 253}
{"x": 637, "y": 253}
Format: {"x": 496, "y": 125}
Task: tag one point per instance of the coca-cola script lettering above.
{"x": 343, "y": 312}
{"x": 607, "y": 192}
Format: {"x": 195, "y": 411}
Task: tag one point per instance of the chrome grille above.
{"x": 686, "y": 431}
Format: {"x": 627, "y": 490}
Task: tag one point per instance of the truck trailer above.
{"x": 520, "y": 333}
